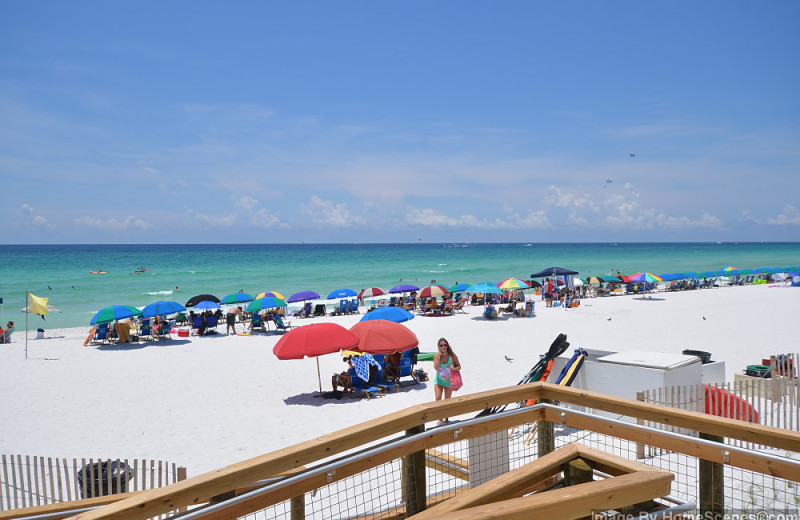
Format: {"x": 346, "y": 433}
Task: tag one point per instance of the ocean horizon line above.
{"x": 533, "y": 243}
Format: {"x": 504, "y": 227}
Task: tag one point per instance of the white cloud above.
{"x": 36, "y": 220}
{"x": 324, "y": 212}
{"x": 433, "y": 218}
{"x": 217, "y": 221}
{"x": 113, "y": 224}
{"x": 789, "y": 217}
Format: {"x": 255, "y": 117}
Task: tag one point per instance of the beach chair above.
{"x": 426, "y": 307}
{"x": 212, "y": 323}
{"x": 385, "y": 379}
{"x": 162, "y": 331}
{"x": 180, "y": 319}
{"x": 353, "y": 307}
{"x": 280, "y": 325}
{"x": 530, "y": 309}
{"x": 319, "y": 310}
{"x": 145, "y": 331}
{"x": 341, "y": 309}
{"x": 410, "y": 304}
{"x": 101, "y": 334}
{"x": 447, "y": 307}
{"x": 256, "y": 322}
{"x": 458, "y": 307}
{"x": 357, "y": 387}
{"x": 197, "y": 322}
{"x": 407, "y": 370}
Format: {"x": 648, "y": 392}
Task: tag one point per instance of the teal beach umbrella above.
{"x": 113, "y": 313}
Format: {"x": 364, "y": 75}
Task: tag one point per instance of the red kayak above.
{"x": 723, "y": 403}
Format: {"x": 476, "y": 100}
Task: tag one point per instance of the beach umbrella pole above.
{"x": 319, "y": 377}
{"x": 27, "y": 306}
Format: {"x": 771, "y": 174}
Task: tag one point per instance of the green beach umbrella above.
{"x": 113, "y": 313}
{"x": 267, "y": 302}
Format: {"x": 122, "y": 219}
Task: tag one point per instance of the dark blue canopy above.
{"x": 553, "y": 271}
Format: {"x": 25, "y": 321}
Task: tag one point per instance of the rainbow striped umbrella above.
{"x": 513, "y": 284}
{"x": 645, "y": 277}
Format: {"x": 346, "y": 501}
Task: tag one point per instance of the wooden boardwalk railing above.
{"x": 200, "y": 489}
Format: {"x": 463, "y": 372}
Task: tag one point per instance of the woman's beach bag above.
{"x": 455, "y": 380}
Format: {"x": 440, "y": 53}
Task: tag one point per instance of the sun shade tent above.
{"x": 554, "y": 271}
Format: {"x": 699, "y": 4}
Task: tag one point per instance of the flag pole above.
{"x": 28, "y": 307}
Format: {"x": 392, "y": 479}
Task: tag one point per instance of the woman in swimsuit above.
{"x": 444, "y": 362}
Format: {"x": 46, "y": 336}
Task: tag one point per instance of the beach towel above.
{"x": 362, "y": 363}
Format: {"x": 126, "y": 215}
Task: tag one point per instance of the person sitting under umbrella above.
{"x": 342, "y": 379}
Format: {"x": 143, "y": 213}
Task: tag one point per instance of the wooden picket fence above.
{"x": 770, "y": 401}
{"x": 32, "y": 481}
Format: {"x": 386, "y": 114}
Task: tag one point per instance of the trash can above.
{"x": 705, "y": 357}
{"x": 93, "y": 479}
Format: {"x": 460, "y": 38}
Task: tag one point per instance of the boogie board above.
{"x": 90, "y": 336}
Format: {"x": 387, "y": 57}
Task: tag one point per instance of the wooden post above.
{"x": 297, "y": 507}
{"x": 710, "y": 483}
{"x": 639, "y": 445}
{"x": 546, "y": 439}
{"x": 413, "y": 478}
{"x": 577, "y": 471}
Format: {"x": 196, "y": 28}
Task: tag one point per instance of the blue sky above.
{"x": 390, "y": 121}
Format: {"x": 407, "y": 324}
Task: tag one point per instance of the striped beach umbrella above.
{"x": 434, "y": 291}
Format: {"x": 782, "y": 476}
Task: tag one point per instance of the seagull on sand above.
{"x": 508, "y": 359}
{"x": 609, "y": 319}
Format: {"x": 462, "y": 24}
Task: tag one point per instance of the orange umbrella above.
{"x": 383, "y": 337}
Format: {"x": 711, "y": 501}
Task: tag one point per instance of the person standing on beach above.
{"x": 231, "y": 318}
{"x": 444, "y": 362}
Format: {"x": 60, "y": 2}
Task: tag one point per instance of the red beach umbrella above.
{"x": 383, "y": 337}
{"x": 313, "y": 341}
{"x": 371, "y": 293}
{"x": 434, "y": 291}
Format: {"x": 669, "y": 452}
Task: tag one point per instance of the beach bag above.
{"x": 455, "y": 380}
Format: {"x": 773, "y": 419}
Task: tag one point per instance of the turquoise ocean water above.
{"x": 61, "y": 272}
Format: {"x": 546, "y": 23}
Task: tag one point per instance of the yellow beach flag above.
{"x": 37, "y": 305}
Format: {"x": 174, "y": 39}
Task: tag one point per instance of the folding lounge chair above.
{"x": 256, "y": 322}
{"x": 197, "y": 322}
{"x": 384, "y": 380}
{"x": 360, "y": 388}
{"x": 101, "y": 334}
{"x": 280, "y": 325}
{"x": 145, "y": 331}
{"x": 212, "y": 322}
{"x": 353, "y": 307}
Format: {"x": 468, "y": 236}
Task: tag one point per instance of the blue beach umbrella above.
{"x": 238, "y": 297}
{"x": 690, "y": 274}
{"x": 342, "y": 293}
{"x": 395, "y": 314}
{"x": 207, "y": 304}
{"x": 162, "y": 308}
{"x": 302, "y": 296}
{"x": 484, "y": 287}
{"x": 403, "y": 288}
{"x": 267, "y": 302}
{"x": 113, "y": 313}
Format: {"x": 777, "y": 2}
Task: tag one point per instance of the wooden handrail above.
{"x": 195, "y": 490}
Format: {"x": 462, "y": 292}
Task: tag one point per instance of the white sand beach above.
{"x": 205, "y": 402}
